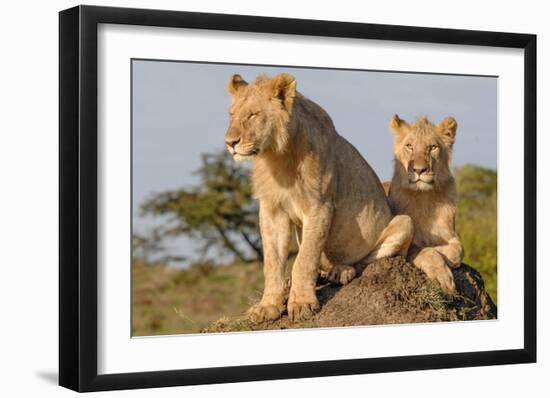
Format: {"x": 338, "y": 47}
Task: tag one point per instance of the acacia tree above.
{"x": 219, "y": 212}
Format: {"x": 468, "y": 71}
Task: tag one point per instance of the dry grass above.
{"x": 170, "y": 301}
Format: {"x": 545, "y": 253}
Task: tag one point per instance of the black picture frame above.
{"x": 78, "y": 282}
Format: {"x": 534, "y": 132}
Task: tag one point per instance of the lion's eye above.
{"x": 409, "y": 147}
{"x": 252, "y": 116}
{"x": 433, "y": 148}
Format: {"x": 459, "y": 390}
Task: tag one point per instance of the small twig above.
{"x": 184, "y": 317}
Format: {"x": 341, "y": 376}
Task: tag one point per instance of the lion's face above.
{"x": 259, "y": 115}
{"x": 423, "y": 152}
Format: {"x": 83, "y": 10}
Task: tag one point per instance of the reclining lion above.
{"x": 307, "y": 175}
{"x": 424, "y": 188}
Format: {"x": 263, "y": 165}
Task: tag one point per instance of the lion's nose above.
{"x": 420, "y": 169}
{"x": 232, "y": 141}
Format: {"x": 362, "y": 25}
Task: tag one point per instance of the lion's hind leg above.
{"x": 342, "y": 274}
{"x": 394, "y": 240}
{"x": 337, "y": 274}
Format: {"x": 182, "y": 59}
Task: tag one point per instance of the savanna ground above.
{"x": 212, "y": 297}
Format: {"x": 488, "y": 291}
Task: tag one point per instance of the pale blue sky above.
{"x": 180, "y": 110}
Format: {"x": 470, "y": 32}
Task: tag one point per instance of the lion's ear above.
{"x": 447, "y": 128}
{"x": 236, "y": 82}
{"x": 283, "y": 87}
{"x": 398, "y": 126}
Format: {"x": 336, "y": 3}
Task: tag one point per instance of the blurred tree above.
{"x": 475, "y": 185}
{"x": 219, "y": 212}
{"x": 148, "y": 248}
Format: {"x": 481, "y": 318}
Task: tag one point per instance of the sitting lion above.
{"x": 307, "y": 175}
{"x": 423, "y": 188}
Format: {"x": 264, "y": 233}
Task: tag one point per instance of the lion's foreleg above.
{"x": 275, "y": 229}
{"x": 453, "y": 252}
{"x": 302, "y": 301}
{"x": 394, "y": 240}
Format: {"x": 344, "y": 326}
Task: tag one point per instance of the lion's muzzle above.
{"x": 420, "y": 172}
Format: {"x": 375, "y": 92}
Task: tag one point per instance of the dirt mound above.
{"x": 388, "y": 291}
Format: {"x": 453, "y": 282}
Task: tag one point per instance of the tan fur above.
{"x": 386, "y": 185}
{"x": 424, "y": 188}
{"x": 307, "y": 175}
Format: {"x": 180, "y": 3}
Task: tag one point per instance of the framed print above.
{"x": 252, "y": 198}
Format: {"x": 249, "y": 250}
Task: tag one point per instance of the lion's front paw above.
{"x": 302, "y": 307}
{"x": 302, "y": 311}
{"x": 264, "y": 312}
{"x": 341, "y": 274}
{"x": 444, "y": 276}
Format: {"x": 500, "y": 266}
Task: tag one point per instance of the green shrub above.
{"x": 476, "y": 221}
